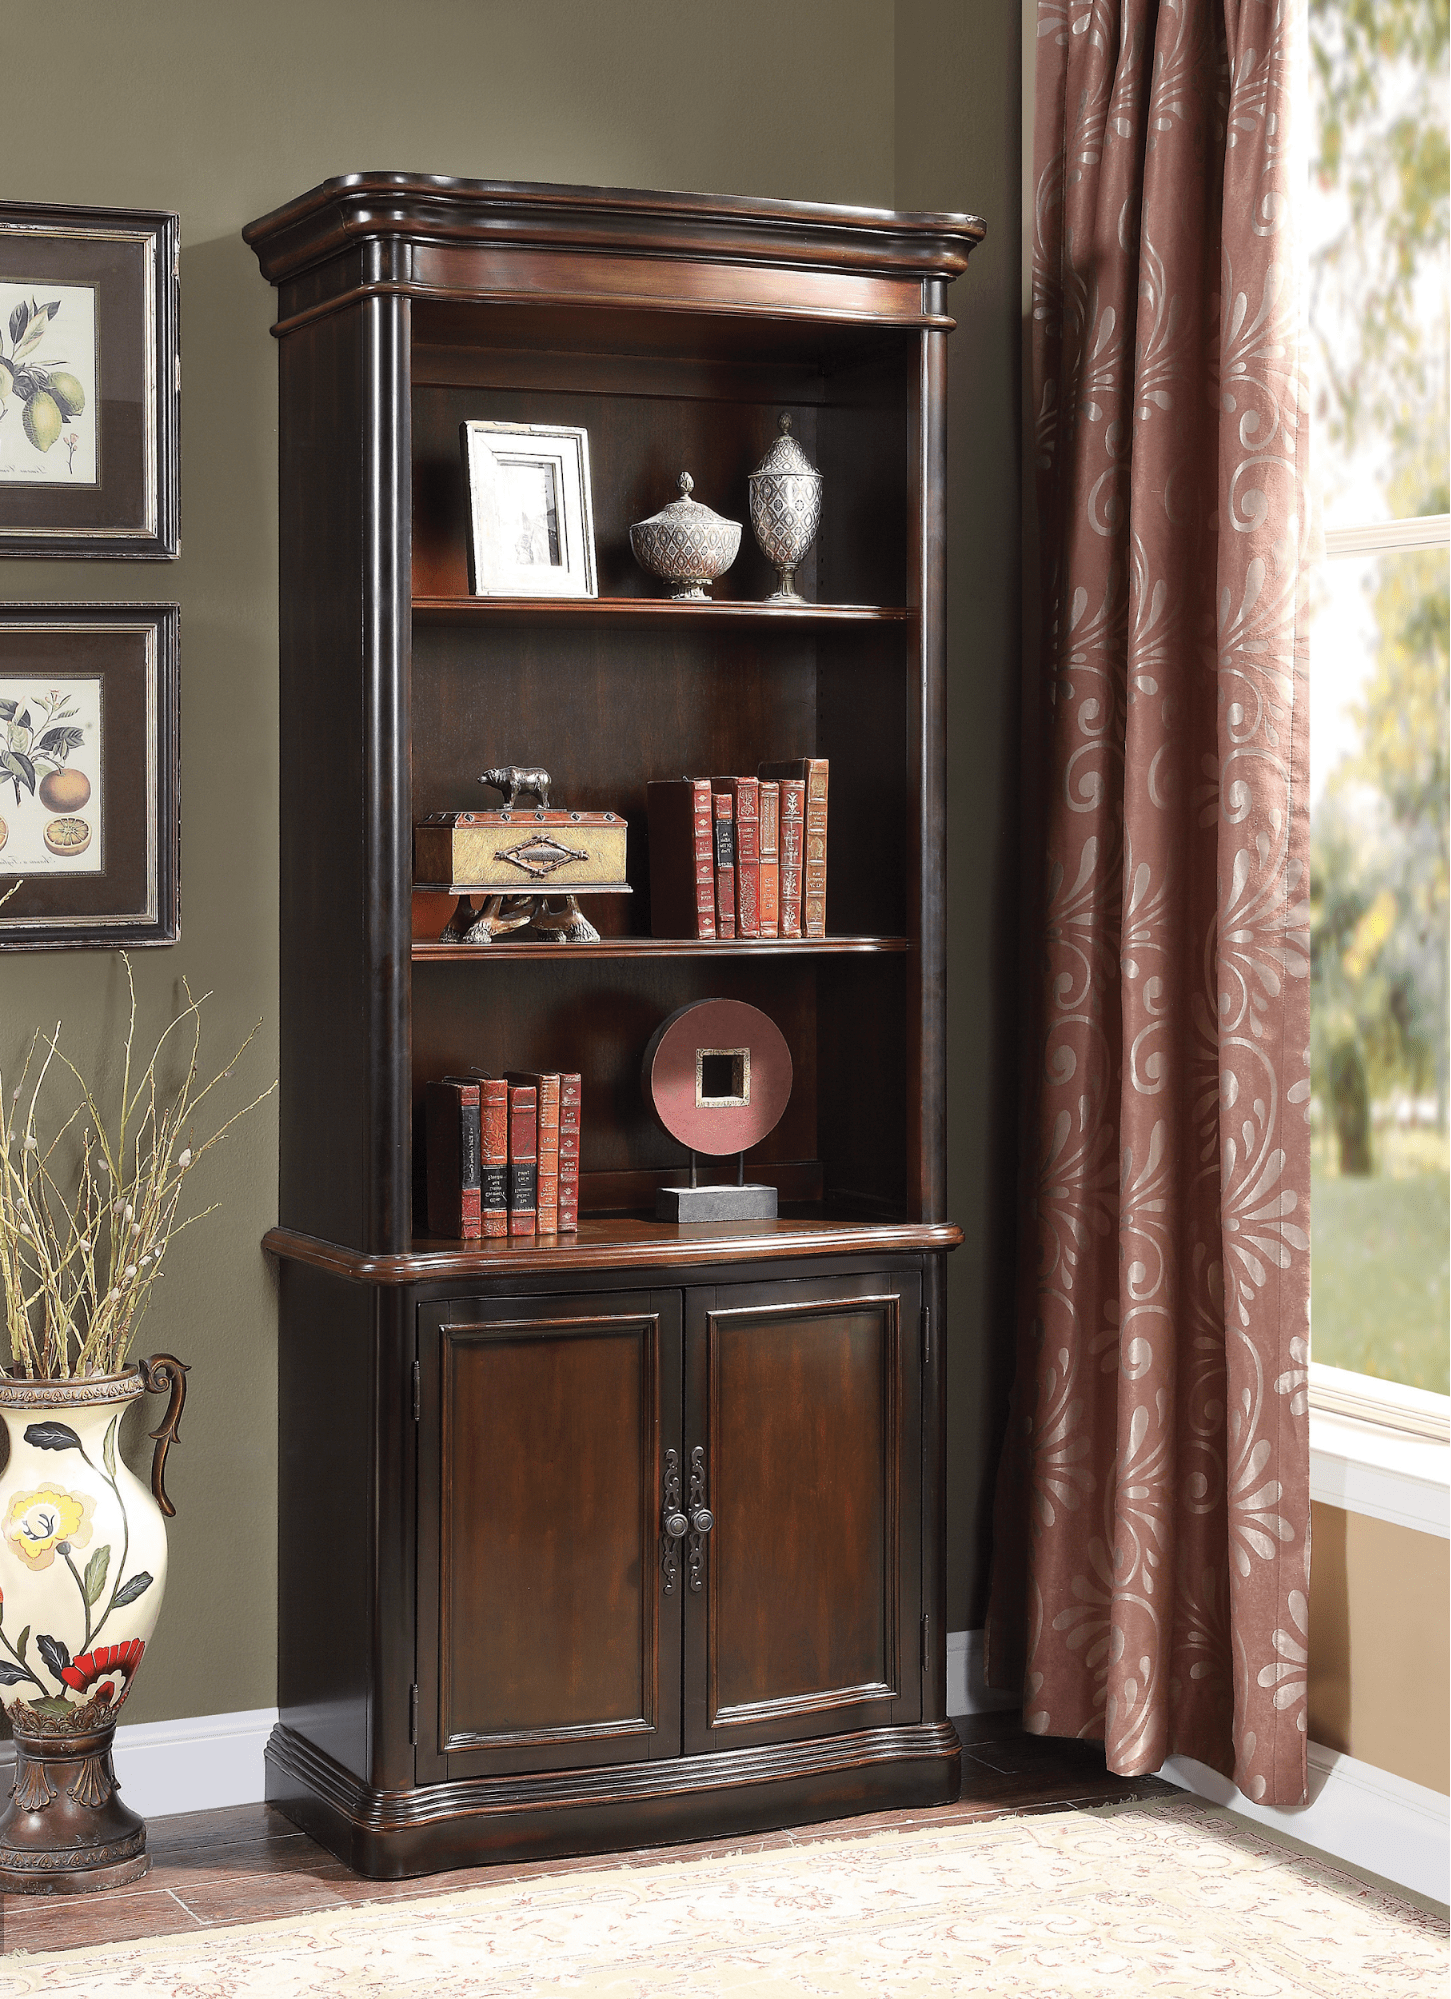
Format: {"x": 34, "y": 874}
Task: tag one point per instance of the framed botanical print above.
{"x": 89, "y": 388}
{"x": 88, "y": 775}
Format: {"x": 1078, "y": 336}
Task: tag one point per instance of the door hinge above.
{"x": 413, "y": 1714}
{"x": 926, "y": 1652}
{"x": 926, "y": 1335}
{"x": 417, "y": 1392}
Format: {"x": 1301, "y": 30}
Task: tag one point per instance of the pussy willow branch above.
{"x": 123, "y": 1212}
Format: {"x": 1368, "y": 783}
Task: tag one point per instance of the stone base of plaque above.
{"x": 715, "y": 1204}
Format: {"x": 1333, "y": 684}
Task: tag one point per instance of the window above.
{"x": 1380, "y": 314}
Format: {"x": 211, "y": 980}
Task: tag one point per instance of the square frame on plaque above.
{"x": 531, "y": 518}
{"x": 90, "y": 461}
{"x": 89, "y": 769}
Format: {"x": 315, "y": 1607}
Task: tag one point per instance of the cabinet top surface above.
{"x": 354, "y": 207}
{"x": 618, "y": 1242}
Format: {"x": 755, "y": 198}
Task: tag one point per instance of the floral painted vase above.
{"x": 82, "y": 1575}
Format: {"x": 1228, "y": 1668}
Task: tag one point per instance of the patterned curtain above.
{"x": 1152, "y": 1552}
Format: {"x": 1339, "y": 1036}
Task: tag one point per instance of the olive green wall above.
{"x": 958, "y": 124}
{"x": 222, "y": 113}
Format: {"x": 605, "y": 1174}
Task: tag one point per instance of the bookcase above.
{"x": 490, "y": 1643}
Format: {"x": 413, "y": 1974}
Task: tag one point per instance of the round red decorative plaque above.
{"x": 717, "y": 1074}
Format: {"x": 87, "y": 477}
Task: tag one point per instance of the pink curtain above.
{"x": 1152, "y": 1530}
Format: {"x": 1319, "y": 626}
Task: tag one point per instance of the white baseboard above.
{"x": 1399, "y": 1830}
{"x": 202, "y": 1762}
{"x": 966, "y": 1693}
{"x": 193, "y": 1765}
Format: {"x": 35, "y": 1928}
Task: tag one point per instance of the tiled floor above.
{"x": 247, "y": 1863}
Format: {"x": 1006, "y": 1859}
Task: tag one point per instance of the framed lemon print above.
{"x": 88, "y": 775}
{"x": 89, "y": 382}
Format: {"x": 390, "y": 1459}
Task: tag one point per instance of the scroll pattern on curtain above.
{"x": 1154, "y": 1589}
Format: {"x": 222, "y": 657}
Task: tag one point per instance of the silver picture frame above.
{"x": 531, "y": 517}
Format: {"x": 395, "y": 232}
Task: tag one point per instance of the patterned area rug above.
{"x": 1165, "y": 1898}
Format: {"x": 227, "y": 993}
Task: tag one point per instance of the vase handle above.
{"x": 164, "y": 1370}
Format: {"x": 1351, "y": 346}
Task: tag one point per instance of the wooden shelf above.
{"x": 643, "y": 610}
{"x": 620, "y": 1242}
{"x": 662, "y": 947}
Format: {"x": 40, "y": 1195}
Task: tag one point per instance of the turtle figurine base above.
{"x": 558, "y": 919}
{"x": 65, "y": 1830}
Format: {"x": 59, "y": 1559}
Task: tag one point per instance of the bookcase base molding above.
{"x": 393, "y": 1835}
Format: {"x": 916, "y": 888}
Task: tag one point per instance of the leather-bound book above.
{"x": 682, "y": 858}
{"x": 570, "y": 1108}
{"x": 770, "y": 893}
{"x": 451, "y": 1114}
{"x": 746, "y": 811}
{"x": 725, "y": 863}
{"x": 546, "y": 1111}
{"x": 813, "y": 771}
{"x": 793, "y": 851}
{"x": 523, "y": 1175}
{"x": 494, "y": 1154}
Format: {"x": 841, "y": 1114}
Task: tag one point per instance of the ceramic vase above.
{"x": 83, "y": 1573}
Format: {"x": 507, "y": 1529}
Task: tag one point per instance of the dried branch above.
{"x": 81, "y": 1249}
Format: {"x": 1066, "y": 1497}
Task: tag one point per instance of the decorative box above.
{"x": 536, "y": 851}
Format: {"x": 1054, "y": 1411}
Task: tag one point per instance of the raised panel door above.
{"x": 547, "y": 1637}
{"x": 803, "y": 1439}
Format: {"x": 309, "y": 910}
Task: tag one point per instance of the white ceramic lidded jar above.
{"x": 82, "y": 1576}
{"x": 785, "y": 493}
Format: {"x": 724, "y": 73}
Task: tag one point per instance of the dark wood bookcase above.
{"x": 489, "y": 1646}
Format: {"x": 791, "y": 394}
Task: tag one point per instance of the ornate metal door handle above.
{"x": 701, "y": 1520}
{"x": 673, "y": 1525}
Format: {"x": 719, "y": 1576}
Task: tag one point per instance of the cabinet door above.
{"x": 803, "y": 1441}
{"x": 549, "y": 1623}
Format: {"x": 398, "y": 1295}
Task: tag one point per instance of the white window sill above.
{"x": 1382, "y": 1449}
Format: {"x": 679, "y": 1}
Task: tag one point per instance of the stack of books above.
{"x": 740, "y": 856}
{"x": 503, "y": 1154}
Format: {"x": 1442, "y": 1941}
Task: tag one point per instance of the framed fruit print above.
{"x": 88, "y": 775}
{"x": 89, "y": 382}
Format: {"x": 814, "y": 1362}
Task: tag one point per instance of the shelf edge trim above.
{"x": 469, "y": 1261}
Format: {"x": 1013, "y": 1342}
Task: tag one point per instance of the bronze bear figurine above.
{"x": 511, "y": 779}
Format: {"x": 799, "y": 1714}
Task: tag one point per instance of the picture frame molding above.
{"x": 155, "y": 535}
{"x": 158, "y": 920}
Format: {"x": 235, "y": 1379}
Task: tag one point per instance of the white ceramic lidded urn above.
{"x": 785, "y": 493}
{"x": 82, "y": 1575}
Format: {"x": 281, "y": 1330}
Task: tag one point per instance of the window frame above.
{"x": 1354, "y": 1417}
